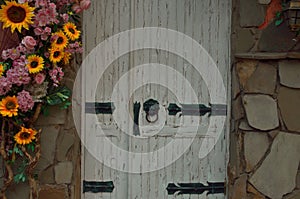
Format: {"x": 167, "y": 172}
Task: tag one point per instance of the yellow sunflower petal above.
{"x": 25, "y": 136}
{"x": 9, "y": 106}
{"x": 35, "y": 63}
{"x": 16, "y": 15}
{"x": 2, "y": 69}
{"x": 71, "y": 31}
{"x": 61, "y": 40}
{"x": 56, "y": 55}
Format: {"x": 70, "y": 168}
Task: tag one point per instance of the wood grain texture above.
{"x": 208, "y": 22}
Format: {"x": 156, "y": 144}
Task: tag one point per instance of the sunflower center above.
{"x": 34, "y": 64}
{"x": 24, "y": 135}
{"x": 10, "y": 105}
{"x": 72, "y": 30}
{"x": 56, "y": 54}
{"x": 16, "y": 14}
{"x": 60, "y": 40}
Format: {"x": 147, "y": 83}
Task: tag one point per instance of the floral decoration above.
{"x": 31, "y": 75}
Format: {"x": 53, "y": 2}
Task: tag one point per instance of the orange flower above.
{"x": 25, "y": 136}
{"x": 9, "y": 106}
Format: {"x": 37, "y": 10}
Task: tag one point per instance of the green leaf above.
{"x": 20, "y": 177}
{"x": 278, "y": 22}
{"x": 18, "y": 151}
{"x": 31, "y": 147}
{"x": 59, "y": 96}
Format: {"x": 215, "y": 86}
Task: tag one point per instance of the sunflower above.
{"x": 67, "y": 57}
{"x": 16, "y": 15}
{"x": 25, "y": 136}
{"x": 9, "y": 106}
{"x": 35, "y": 63}
{"x": 56, "y": 55}
{"x": 2, "y": 69}
{"x": 60, "y": 41}
{"x": 71, "y": 31}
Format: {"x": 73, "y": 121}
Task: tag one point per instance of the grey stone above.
{"x": 288, "y": 101}
{"x": 47, "y": 176}
{"x": 48, "y": 146}
{"x": 289, "y": 72}
{"x": 298, "y": 179}
{"x": 237, "y": 110}
{"x": 277, "y": 174}
{"x": 64, "y": 143}
{"x": 56, "y": 116}
{"x": 264, "y": 2}
{"x": 63, "y": 172}
{"x": 245, "y": 126}
{"x": 263, "y": 80}
{"x": 261, "y": 111}
{"x": 294, "y": 195}
{"x": 272, "y": 40}
{"x": 255, "y": 145}
{"x": 252, "y": 14}
{"x": 18, "y": 191}
{"x": 244, "y": 40}
{"x": 263, "y": 55}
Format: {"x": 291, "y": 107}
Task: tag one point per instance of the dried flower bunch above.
{"x": 31, "y": 74}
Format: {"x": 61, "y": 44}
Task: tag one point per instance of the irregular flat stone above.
{"x": 256, "y": 145}
{"x": 47, "y": 176}
{"x": 244, "y": 40}
{"x": 245, "y": 126}
{"x": 239, "y": 188}
{"x": 289, "y": 72}
{"x": 252, "y": 14}
{"x": 64, "y": 143}
{"x": 237, "y": 109}
{"x": 271, "y": 39}
{"x": 56, "y": 116}
{"x": 235, "y": 85}
{"x": 263, "y": 80}
{"x": 261, "y": 111}
{"x": 256, "y": 194}
{"x": 262, "y": 55}
{"x": 277, "y": 174}
{"x": 63, "y": 172}
{"x": 18, "y": 191}
{"x": 288, "y": 101}
{"x": 294, "y": 195}
{"x": 298, "y": 180}
{"x": 245, "y": 69}
{"x": 52, "y": 192}
{"x": 48, "y": 146}
{"x": 264, "y": 2}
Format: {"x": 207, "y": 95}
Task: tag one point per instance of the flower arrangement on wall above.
{"x": 39, "y": 38}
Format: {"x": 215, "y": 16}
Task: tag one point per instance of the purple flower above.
{"x": 25, "y": 101}
{"x": 5, "y": 85}
{"x": 18, "y": 75}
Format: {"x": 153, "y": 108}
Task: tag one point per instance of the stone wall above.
{"x": 265, "y": 124}
{"x": 59, "y": 170}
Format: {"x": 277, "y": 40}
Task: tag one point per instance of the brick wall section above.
{"x": 265, "y": 130}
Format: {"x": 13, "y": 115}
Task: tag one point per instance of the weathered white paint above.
{"x": 208, "y": 22}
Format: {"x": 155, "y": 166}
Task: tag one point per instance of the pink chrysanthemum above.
{"x": 5, "y": 85}
{"x": 56, "y": 75}
{"x": 18, "y": 75}
{"x": 25, "y": 101}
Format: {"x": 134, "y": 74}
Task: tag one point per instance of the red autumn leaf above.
{"x": 274, "y": 7}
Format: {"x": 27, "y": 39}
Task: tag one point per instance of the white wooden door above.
{"x": 190, "y": 65}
